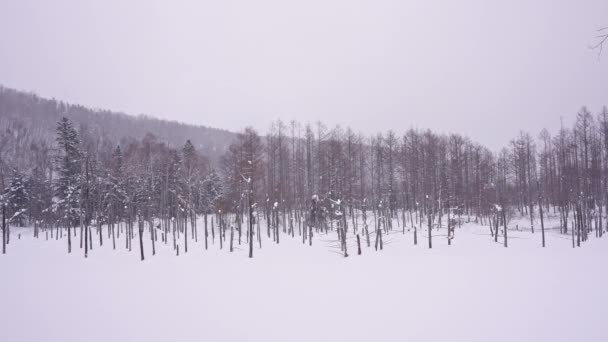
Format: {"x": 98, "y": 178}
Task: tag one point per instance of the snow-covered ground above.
{"x": 474, "y": 290}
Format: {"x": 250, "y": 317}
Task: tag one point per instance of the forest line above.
{"x": 308, "y": 178}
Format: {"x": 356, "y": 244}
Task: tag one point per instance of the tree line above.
{"x": 307, "y": 180}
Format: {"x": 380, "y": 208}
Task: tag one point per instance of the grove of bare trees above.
{"x": 297, "y": 181}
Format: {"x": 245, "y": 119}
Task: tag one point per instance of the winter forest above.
{"x": 299, "y": 181}
{"x": 308, "y": 195}
{"x": 303, "y": 171}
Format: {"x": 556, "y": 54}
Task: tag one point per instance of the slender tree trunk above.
{"x": 113, "y": 236}
{"x": 152, "y": 235}
{"x": 141, "y": 237}
{"x": 86, "y": 239}
{"x": 504, "y": 222}
{"x": 449, "y": 225}
{"x": 186, "y": 234}
{"x": 69, "y": 237}
{"x": 310, "y": 235}
{"x": 206, "y": 233}
{"x": 344, "y": 242}
{"x": 430, "y": 224}
{"x": 100, "y": 228}
{"x": 4, "y": 229}
{"x": 231, "y": 237}
{"x": 542, "y": 223}
{"x": 250, "y": 223}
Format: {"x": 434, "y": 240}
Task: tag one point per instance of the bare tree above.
{"x": 601, "y": 38}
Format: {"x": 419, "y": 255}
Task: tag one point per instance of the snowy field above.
{"x": 474, "y": 290}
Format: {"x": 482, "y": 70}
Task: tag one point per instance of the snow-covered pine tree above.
{"x": 68, "y": 164}
{"x": 212, "y": 190}
{"x": 115, "y": 195}
{"x": 174, "y": 183}
{"x": 41, "y": 193}
{"x": 189, "y": 175}
{"x": 17, "y": 197}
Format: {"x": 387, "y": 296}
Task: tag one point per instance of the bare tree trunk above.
{"x": 579, "y": 223}
{"x": 542, "y": 223}
{"x": 250, "y": 222}
{"x": 258, "y": 230}
{"x": 429, "y": 226}
{"x": 186, "y": 234}
{"x": 212, "y": 229}
{"x": 100, "y": 228}
{"x": 206, "y": 233}
{"x": 344, "y": 242}
{"x": 81, "y": 235}
{"x": 152, "y": 235}
{"x": 504, "y": 222}
{"x": 4, "y": 229}
{"x": 250, "y": 219}
{"x": 140, "y": 226}
{"x": 572, "y": 231}
{"x": 86, "y": 238}
{"x": 113, "y": 235}
{"x": 310, "y": 235}
{"x": 231, "y": 236}
{"x": 449, "y": 225}
{"x": 69, "y": 237}
{"x": 496, "y": 227}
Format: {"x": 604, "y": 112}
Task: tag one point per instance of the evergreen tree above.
{"x": 17, "y": 198}
{"x": 212, "y": 191}
{"x": 67, "y": 187}
{"x": 115, "y": 195}
{"x": 189, "y": 155}
{"x": 41, "y": 193}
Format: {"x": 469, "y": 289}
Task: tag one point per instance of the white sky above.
{"x": 481, "y": 68}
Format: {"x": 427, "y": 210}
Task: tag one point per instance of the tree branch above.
{"x": 602, "y": 37}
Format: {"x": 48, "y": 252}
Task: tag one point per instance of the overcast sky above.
{"x": 483, "y": 68}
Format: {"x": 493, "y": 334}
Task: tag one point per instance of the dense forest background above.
{"x": 32, "y": 120}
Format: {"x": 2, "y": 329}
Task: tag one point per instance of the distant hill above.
{"x": 39, "y": 114}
